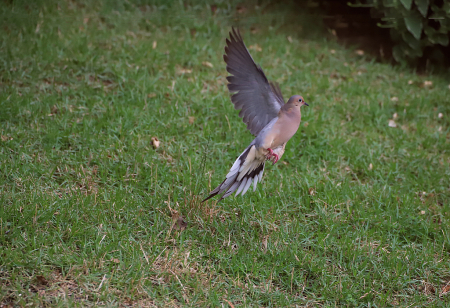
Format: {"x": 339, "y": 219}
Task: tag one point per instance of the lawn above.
{"x": 93, "y": 211}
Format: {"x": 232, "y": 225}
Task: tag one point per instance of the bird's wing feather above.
{"x": 258, "y": 99}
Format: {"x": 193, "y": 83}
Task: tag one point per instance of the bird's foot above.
{"x": 275, "y": 158}
{"x": 272, "y": 156}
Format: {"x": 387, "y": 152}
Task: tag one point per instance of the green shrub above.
{"x": 414, "y": 25}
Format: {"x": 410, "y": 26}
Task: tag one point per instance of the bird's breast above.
{"x": 285, "y": 128}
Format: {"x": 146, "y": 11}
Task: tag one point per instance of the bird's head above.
{"x": 297, "y": 101}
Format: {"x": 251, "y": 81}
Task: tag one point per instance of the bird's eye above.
{"x": 300, "y": 100}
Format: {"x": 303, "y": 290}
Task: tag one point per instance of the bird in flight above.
{"x": 262, "y": 108}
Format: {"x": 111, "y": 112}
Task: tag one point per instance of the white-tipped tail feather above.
{"x": 247, "y": 170}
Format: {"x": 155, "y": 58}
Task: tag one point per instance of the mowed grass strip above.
{"x": 95, "y": 212}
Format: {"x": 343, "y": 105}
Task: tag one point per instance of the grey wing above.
{"x": 258, "y": 99}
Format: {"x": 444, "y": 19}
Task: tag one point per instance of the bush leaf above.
{"x": 422, "y": 5}
{"x": 406, "y": 4}
{"x": 439, "y": 38}
{"x": 411, "y": 41}
{"x": 414, "y": 25}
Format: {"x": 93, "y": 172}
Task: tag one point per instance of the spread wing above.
{"x": 258, "y": 99}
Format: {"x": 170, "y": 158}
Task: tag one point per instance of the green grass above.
{"x": 356, "y": 214}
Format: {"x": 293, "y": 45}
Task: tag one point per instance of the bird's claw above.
{"x": 272, "y": 156}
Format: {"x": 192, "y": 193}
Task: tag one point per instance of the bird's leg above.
{"x": 271, "y": 155}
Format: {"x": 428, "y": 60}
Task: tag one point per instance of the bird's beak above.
{"x": 306, "y": 104}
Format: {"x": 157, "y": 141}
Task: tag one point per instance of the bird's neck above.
{"x": 291, "y": 112}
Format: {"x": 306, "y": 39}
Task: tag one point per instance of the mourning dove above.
{"x": 262, "y": 108}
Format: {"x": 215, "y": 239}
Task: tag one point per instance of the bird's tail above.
{"x": 247, "y": 169}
